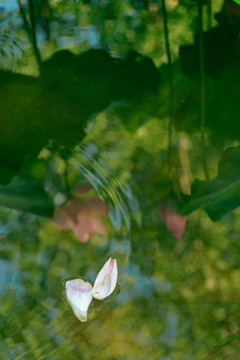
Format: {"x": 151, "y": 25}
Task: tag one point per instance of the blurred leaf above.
{"x": 26, "y": 194}
{"x": 220, "y": 195}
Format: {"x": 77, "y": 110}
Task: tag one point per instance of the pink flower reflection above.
{"x": 82, "y": 215}
{"x": 174, "y": 222}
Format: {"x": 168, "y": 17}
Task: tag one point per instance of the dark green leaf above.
{"x": 26, "y": 194}
{"x": 220, "y": 195}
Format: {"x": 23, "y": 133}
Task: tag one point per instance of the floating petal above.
{"x": 79, "y": 296}
{"x": 106, "y": 280}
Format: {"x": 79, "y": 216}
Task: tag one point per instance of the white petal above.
{"x": 106, "y": 280}
{"x": 79, "y": 296}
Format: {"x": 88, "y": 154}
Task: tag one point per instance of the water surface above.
{"x": 120, "y": 138}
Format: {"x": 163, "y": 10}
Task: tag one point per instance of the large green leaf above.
{"x": 220, "y": 195}
{"x": 26, "y": 194}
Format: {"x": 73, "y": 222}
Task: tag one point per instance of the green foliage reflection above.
{"x": 92, "y": 100}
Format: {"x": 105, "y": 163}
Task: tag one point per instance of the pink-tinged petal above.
{"x": 106, "y": 280}
{"x": 174, "y": 222}
{"x": 79, "y": 296}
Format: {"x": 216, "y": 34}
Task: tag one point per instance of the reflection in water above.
{"x": 89, "y": 102}
{"x": 10, "y": 221}
{"x": 80, "y": 208}
{"x": 82, "y": 215}
{"x": 10, "y": 51}
{"x": 119, "y": 199}
{"x": 9, "y": 276}
{"x": 173, "y": 221}
{"x": 169, "y": 335}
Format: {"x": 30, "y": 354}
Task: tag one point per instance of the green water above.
{"x": 120, "y": 137}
